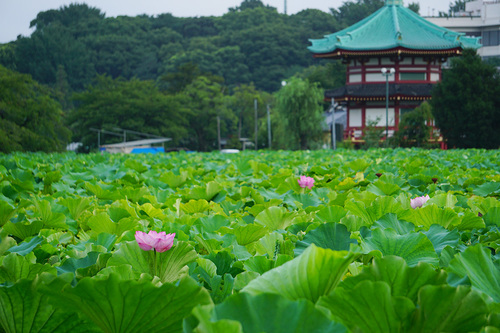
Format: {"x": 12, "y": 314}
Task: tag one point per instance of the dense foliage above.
{"x": 299, "y": 110}
{"x": 31, "y": 118}
{"x": 253, "y": 251}
{"x": 250, "y": 44}
{"x": 414, "y": 129}
{"x": 466, "y": 103}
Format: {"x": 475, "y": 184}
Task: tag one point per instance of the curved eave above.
{"x": 341, "y": 53}
{"x": 392, "y": 27}
{"x": 377, "y": 92}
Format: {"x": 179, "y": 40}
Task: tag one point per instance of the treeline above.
{"x": 173, "y": 76}
{"x": 252, "y": 43}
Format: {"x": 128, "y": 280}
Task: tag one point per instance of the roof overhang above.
{"x": 398, "y": 51}
{"x": 137, "y": 143}
{"x": 377, "y": 92}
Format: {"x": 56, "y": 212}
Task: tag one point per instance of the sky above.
{"x": 16, "y": 15}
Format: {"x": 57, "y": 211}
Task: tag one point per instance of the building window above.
{"x": 491, "y": 38}
{"x": 412, "y": 76}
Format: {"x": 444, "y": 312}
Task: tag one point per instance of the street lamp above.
{"x": 387, "y": 72}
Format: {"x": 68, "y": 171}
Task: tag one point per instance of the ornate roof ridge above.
{"x": 390, "y": 27}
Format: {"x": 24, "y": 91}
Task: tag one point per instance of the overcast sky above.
{"x": 16, "y": 15}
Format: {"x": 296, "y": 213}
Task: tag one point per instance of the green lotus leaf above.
{"x": 331, "y": 214}
{"x": 24, "y": 309}
{"x": 443, "y": 200}
{"x": 332, "y": 236}
{"x": 440, "y": 237}
{"x": 135, "y": 165}
{"x": 274, "y": 218}
{"x": 449, "y": 309}
{"x": 266, "y": 313}
{"x": 248, "y": 233}
{"x": 475, "y": 263}
{"x": 387, "y": 205}
{"x": 403, "y": 280}
{"x": 214, "y": 223}
{"x": 7, "y": 210}
{"x": 195, "y": 206}
{"x": 117, "y": 305}
{"x": 304, "y": 200}
{"x": 76, "y": 206}
{"x": 413, "y": 247}
{"x": 471, "y": 221}
{"x": 48, "y": 217}
{"x": 358, "y": 208}
{"x": 173, "y": 180}
{"x": 486, "y": 189}
{"x": 382, "y": 188}
{"x": 207, "y": 192}
{"x": 6, "y": 243}
{"x": 102, "y": 223}
{"x": 23, "y": 180}
{"x": 170, "y": 264}
{"x": 15, "y": 267}
{"x": 390, "y": 221}
{"x": 268, "y": 245}
{"x": 432, "y": 214}
{"x": 314, "y": 273}
{"x": 22, "y": 228}
{"x": 27, "y": 246}
{"x": 354, "y": 223}
{"x": 243, "y": 279}
{"x": 492, "y": 216}
{"x": 70, "y": 265}
{"x": 200, "y": 322}
{"x": 103, "y": 191}
{"x": 368, "y": 307}
{"x": 259, "y": 264}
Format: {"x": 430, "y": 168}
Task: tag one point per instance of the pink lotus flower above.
{"x": 305, "y": 181}
{"x": 419, "y": 201}
{"x": 159, "y": 241}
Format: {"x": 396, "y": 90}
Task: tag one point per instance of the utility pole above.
{"x": 256, "y": 123}
{"x": 285, "y": 7}
{"x": 333, "y": 130}
{"x": 268, "y": 126}
{"x": 218, "y": 131}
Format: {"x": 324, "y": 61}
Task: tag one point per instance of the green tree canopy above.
{"x": 352, "y": 12}
{"x": 300, "y": 114}
{"x": 466, "y": 103}
{"x": 413, "y": 130}
{"x": 30, "y": 118}
{"x": 134, "y": 105}
{"x": 205, "y": 100}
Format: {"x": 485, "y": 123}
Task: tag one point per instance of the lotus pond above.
{"x": 86, "y": 242}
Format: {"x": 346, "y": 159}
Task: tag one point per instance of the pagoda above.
{"x": 394, "y": 58}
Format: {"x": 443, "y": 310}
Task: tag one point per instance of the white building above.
{"x": 481, "y": 18}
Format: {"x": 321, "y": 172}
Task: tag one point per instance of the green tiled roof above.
{"x": 393, "y": 26}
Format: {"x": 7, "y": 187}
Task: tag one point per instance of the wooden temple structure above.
{"x": 392, "y": 53}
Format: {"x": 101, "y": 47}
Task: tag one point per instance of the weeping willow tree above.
{"x": 299, "y": 117}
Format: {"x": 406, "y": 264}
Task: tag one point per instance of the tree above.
{"x": 134, "y": 105}
{"x": 414, "y": 6}
{"x": 413, "y": 130}
{"x": 353, "y": 12}
{"x": 205, "y": 100}
{"x": 466, "y": 103}
{"x": 330, "y": 75}
{"x": 300, "y": 114}
{"x": 30, "y": 117}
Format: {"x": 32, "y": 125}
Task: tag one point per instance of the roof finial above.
{"x": 394, "y": 2}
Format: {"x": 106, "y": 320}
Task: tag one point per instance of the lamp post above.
{"x": 387, "y": 72}
{"x": 332, "y": 129}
